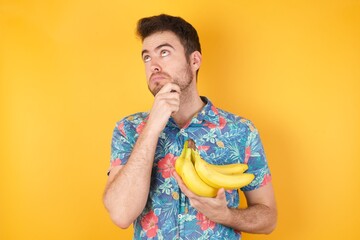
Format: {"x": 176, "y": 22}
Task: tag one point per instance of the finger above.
{"x": 183, "y": 187}
{"x": 221, "y": 194}
{"x": 194, "y": 203}
{"x": 170, "y": 87}
{"x": 176, "y": 176}
{"x": 169, "y": 96}
{"x": 169, "y": 101}
{"x": 174, "y": 88}
{"x": 180, "y": 182}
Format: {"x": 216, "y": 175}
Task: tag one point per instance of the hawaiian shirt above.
{"x": 221, "y": 138}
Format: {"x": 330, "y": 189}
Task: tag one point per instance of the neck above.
{"x": 190, "y": 105}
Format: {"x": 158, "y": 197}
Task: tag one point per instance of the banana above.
{"x": 204, "y": 179}
{"x": 230, "y": 169}
{"x": 180, "y": 160}
{"x": 217, "y": 179}
{"x": 191, "y": 179}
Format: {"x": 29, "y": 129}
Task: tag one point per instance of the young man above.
{"x": 143, "y": 188}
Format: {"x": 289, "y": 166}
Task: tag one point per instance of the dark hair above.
{"x": 182, "y": 29}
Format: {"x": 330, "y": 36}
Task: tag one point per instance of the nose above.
{"x": 155, "y": 67}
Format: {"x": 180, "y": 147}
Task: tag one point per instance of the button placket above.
{"x": 181, "y": 215}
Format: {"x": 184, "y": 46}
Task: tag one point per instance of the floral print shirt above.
{"x": 221, "y": 138}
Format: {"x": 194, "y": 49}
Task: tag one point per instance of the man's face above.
{"x": 165, "y": 61}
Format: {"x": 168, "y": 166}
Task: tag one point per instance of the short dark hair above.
{"x": 183, "y": 30}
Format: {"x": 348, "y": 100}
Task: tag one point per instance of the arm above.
{"x": 259, "y": 217}
{"x": 128, "y": 186}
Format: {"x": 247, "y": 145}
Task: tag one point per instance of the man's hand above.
{"x": 166, "y": 103}
{"x": 259, "y": 217}
{"x": 215, "y": 209}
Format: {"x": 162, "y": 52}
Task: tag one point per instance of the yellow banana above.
{"x": 230, "y": 169}
{"x": 180, "y": 160}
{"x": 218, "y": 180}
{"x": 192, "y": 179}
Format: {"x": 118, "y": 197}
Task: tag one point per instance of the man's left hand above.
{"x": 215, "y": 209}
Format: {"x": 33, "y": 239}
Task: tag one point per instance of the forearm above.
{"x": 126, "y": 195}
{"x": 127, "y": 191}
{"x": 257, "y": 218}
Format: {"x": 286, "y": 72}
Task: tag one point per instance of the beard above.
{"x": 183, "y": 81}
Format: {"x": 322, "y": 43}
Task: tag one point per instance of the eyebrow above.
{"x": 158, "y": 47}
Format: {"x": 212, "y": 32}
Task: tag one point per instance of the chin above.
{"x": 155, "y": 90}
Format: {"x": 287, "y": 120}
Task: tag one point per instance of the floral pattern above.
{"x": 204, "y": 222}
{"x": 166, "y": 165}
{"x": 221, "y": 138}
{"x": 149, "y": 224}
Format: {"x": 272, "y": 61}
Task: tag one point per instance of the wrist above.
{"x": 226, "y": 218}
{"x": 151, "y": 131}
{"x": 154, "y": 125}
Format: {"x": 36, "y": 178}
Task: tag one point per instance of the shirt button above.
{"x": 182, "y": 130}
{"x": 179, "y": 216}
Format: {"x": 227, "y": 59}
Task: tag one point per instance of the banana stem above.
{"x": 191, "y": 144}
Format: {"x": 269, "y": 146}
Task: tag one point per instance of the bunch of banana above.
{"x": 186, "y": 169}
{"x": 203, "y": 178}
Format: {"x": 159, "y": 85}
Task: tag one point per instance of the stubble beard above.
{"x": 183, "y": 82}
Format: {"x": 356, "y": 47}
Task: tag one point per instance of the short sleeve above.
{"x": 256, "y": 160}
{"x": 121, "y": 145}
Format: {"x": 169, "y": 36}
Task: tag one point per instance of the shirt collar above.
{"x": 208, "y": 113}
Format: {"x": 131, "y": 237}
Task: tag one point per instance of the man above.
{"x": 143, "y": 187}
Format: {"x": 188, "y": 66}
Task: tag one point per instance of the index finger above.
{"x": 170, "y": 87}
{"x": 183, "y": 187}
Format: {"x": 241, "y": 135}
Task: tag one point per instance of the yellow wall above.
{"x": 70, "y": 69}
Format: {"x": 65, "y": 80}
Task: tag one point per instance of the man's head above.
{"x": 171, "y": 52}
{"x": 182, "y": 29}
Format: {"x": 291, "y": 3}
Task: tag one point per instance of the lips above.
{"x": 157, "y": 77}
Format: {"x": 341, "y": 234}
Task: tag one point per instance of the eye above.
{"x": 146, "y": 58}
{"x": 164, "y": 53}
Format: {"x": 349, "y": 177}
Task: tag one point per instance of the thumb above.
{"x": 221, "y": 194}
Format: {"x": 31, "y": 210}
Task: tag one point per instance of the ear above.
{"x": 195, "y": 60}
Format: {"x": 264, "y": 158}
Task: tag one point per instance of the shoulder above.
{"x": 236, "y": 120}
{"x": 133, "y": 119}
{"x": 132, "y": 124}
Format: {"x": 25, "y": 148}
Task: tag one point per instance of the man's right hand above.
{"x": 136, "y": 174}
{"x": 166, "y": 102}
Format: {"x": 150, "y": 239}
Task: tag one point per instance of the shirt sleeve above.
{"x": 121, "y": 145}
{"x": 256, "y": 160}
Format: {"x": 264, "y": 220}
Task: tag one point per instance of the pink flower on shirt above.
{"x": 221, "y": 125}
{"x": 166, "y": 165}
{"x": 116, "y": 162}
{"x": 204, "y": 222}
{"x": 214, "y": 109}
{"x": 121, "y": 129}
{"x": 247, "y": 154}
{"x": 140, "y": 127}
{"x": 203, "y": 148}
{"x": 149, "y": 224}
{"x": 222, "y": 122}
{"x": 267, "y": 179}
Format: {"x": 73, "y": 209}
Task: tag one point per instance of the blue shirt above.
{"x": 221, "y": 138}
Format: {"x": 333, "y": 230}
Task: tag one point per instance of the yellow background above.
{"x": 70, "y": 69}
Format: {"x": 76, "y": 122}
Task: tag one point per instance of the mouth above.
{"x": 157, "y": 77}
